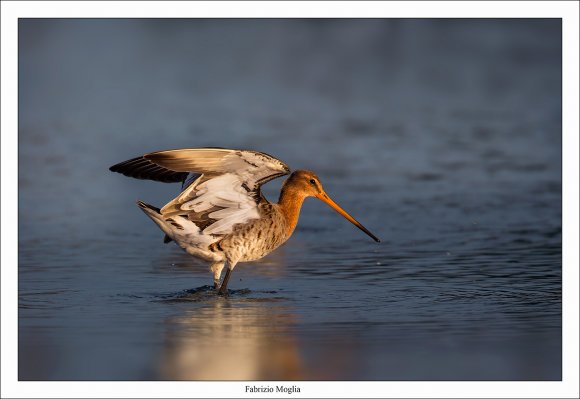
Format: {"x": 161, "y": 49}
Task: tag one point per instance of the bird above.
{"x": 221, "y": 215}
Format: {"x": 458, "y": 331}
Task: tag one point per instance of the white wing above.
{"x": 227, "y": 192}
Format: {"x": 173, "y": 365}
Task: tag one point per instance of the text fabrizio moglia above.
{"x": 270, "y": 389}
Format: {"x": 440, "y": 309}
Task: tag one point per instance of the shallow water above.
{"x": 442, "y": 137}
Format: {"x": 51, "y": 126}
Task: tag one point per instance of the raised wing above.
{"x": 227, "y": 192}
{"x": 254, "y": 168}
{"x": 215, "y": 204}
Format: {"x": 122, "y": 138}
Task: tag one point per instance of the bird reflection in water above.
{"x": 245, "y": 339}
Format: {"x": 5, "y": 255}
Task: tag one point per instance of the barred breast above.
{"x": 256, "y": 239}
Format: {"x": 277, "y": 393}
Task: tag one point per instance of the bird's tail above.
{"x": 155, "y": 214}
{"x": 184, "y": 232}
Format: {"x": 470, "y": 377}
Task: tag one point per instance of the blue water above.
{"x": 443, "y": 137}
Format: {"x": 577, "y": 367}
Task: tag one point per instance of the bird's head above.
{"x": 307, "y": 184}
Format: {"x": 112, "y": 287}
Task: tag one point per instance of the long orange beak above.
{"x": 325, "y": 198}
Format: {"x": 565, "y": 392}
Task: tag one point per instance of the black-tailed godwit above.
{"x": 221, "y": 215}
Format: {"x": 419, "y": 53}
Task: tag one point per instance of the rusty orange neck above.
{"x": 290, "y": 203}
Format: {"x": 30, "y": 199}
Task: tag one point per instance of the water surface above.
{"x": 442, "y": 137}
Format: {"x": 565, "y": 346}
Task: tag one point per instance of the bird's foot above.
{"x": 221, "y": 290}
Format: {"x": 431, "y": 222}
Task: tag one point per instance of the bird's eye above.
{"x": 312, "y": 181}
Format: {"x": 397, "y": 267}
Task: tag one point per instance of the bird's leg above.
{"x": 217, "y": 268}
{"x": 224, "y": 288}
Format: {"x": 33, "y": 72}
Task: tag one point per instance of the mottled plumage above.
{"x": 221, "y": 215}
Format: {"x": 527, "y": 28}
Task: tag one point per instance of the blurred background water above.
{"x": 443, "y": 137}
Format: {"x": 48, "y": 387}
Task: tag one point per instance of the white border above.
{"x": 568, "y": 10}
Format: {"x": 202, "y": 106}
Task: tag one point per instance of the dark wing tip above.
{"x": 142, "y": 168}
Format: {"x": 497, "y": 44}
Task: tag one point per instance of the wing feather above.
{"x": 141, "y": 168}
{"x": 225, "y": 225}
